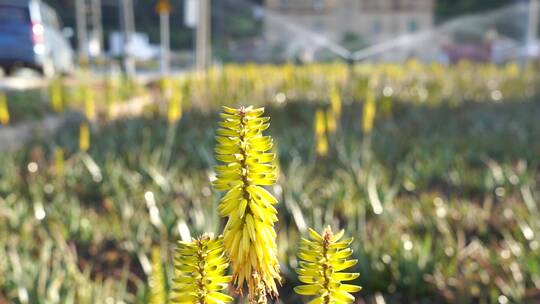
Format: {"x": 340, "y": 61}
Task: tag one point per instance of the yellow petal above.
{"x": 308, "y": 290}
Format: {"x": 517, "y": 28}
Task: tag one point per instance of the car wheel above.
{"x": 4, "y": 71}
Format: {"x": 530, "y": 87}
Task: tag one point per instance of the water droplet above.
{"x": 32, "y": 167}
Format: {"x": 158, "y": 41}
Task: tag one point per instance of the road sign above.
{"x": 163, "y": 7}
{"x": 191, "y": 8}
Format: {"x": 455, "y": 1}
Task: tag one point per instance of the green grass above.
{"x": 29, "y": 105}
{"x": 458, "y": 186}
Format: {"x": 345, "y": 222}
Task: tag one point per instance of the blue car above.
{"x": 31, "y": 36}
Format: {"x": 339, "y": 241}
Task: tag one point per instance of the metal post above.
{"x": 128, "y": 26}
{"x": 165, "y": 42}
{"x": 82, "y": 34}
{"x": 97, "y": 31}
{"x": 203, "y": 52}
{"x": 532, "y": 29}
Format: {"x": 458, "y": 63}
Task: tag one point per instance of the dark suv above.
{"x": 31, "y": 36}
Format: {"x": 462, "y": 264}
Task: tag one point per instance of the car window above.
{"x": 49, "y": 17}
{"x": 59, "y": 21}
{"x": 44, "y": 15}
{"x": 55, "y": 22}
{"x": 13, "y": 15}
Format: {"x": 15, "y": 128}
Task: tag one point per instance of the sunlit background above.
{"x": 412, "y": 124}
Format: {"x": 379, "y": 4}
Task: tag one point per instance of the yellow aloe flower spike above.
{"x": 323, "y": 257}
{"x": 158, "y": 295}
{"x": 331, "y": 121}
{"x": 111, "y": 94}
{"x": 89, "y": 104}
{"x": 249, "y": 235}
{"x": 84, "y": 137}
{"x": 335, "y": 101}
{"x": 174, "y": 111}
{"x": 59, "y": 162}
{"x": 4, "y": 111}
{"x": 55, "y": 93}
{"x": 368, "y": 112}
{"x": 200, "y": 267}
{"x": 320, "y": 133}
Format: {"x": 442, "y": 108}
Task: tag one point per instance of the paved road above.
{"x": 22, "y": 83}
{"x": 14, "y": 137}
{"x": 29, "y": 81}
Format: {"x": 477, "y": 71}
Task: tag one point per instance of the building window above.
{"x": 370, "y": 5}
{"x": 317, "y": 26}
{"x": 409, "y": 5}
{"x": 376, "y": 27}
{"x": 396, "y": 5}
{"x": 318, "y": 5}
{"x": 412, "y": 26}
{"x": 394, "y": 27}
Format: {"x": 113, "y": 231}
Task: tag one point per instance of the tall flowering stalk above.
{"x": 172, "y": 92}
{"x": 156, "y": 280}
{"x": 199, "y": 272}
{"x": 321, "y": 140}
{"x": 4, "y": 111}
{"x": 59, "y": 161}
{"x": 333, "y": 113}
{"x": 368, "y": 112}
{"x": 249, "y": 235}
{"x": 323, "y": 257}
{"x": 331, "y": 122}
{"x": 335, "y": 102}
{"x": 89, "y": 104}
{"x": 84, "y": 137}
{"x": 55, "y": 95}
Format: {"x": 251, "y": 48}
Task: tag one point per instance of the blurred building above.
{"x": 369, "y": 21}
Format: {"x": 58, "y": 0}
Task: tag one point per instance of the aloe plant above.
{"x": 200, "y": 267}
{"x": 323, "y": 258}
{"x": 249, "y": 235}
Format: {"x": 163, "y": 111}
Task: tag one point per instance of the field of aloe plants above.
{"x": 433, "y": 170}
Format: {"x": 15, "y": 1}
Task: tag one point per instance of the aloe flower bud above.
{"x": 200, "y": 266}
{"x": 322, "y": 260}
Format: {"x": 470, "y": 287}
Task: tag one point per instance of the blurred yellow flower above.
{"x": 84, "y": 137}
{"x": 321, "y": 140}
{"x": 368, "y": 113}
{"x": 4, "y": 111}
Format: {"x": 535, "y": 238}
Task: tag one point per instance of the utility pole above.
{"x": 128, "y": 27}
{"x": 97, "y": 28}
{"x": 532, "y": 28}
{"x": 163, "y": 8}
{"x": 203, "y": 48}
{"x": 82, "y": 33}
{"x": 89, "y": 29}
